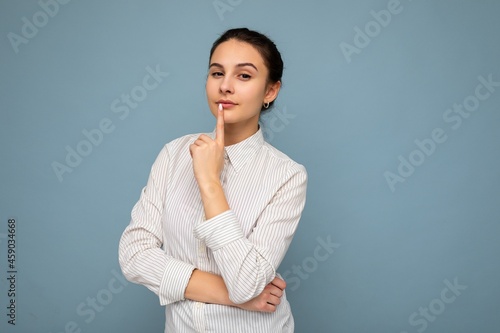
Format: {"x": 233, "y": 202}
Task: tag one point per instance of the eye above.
{"x": 245, "y": 76}
{"x": 217, "y": 74}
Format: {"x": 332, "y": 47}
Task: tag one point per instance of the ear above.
{"x": 272, "y": 91}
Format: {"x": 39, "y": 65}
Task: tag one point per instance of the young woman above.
{"x": 220, "y": 209}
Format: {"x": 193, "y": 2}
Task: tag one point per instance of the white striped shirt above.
{"x": 168, "y": 236}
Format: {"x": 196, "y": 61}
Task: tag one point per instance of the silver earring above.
{"x": 266, "y": 105}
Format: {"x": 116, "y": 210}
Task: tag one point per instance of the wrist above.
{"x": 209, "y": 185}
{"x": 213, "y": 198}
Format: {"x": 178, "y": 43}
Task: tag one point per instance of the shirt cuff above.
{"x": 174, "y": 282}
{"x": 219, "y": 230}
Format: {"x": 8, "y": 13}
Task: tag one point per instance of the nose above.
{"x": 226, "y": 85}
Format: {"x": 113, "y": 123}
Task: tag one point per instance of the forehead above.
{"x": 233, "y": 52}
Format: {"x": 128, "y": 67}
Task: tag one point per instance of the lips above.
{"x": 226, "y": 104}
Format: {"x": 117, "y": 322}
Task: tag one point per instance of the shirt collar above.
{"x": 240, "y": 153}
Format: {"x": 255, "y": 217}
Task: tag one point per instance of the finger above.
{"x": 279, "y": 283}
{"x": 193, "y": 149}
{"x": 275, "y": 291}
{"x": 271, "y": 304}
{"x": 273, "y": 300}
{"x": 203, "y": 138}
{"x": 219, "y": 131}
{"x": 269, "y": 308}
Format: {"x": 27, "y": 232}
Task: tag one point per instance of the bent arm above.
{"x": 210, "y": 288}
{"x": 207, "y": 288}
{"x": 141, "y": 257}
{"x": 247, "y": 265}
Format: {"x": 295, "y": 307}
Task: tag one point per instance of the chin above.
{"x": 229, "y": 120}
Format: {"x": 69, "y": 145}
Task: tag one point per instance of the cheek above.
{"x": 253, "y": 92}
{"x": 209, "y": 86}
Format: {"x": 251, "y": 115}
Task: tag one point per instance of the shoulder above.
{"x": 182, "y": 141}
{"x": 283, "y": 162}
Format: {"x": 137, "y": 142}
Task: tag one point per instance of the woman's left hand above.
{"x": 208, "y": 153}
{"x": 268, "y": 300}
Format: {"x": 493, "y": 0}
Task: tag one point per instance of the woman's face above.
{"x": 237, "y": 78}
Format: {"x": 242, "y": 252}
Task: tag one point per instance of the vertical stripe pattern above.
{"x": 168, "y": 236}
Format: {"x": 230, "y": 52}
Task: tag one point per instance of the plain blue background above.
{"x": 348, "y": 119}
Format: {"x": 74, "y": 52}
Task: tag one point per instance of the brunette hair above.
{"x": 262, "y": 43}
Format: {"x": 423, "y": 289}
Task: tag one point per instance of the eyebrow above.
{"x": 243, "y": 64}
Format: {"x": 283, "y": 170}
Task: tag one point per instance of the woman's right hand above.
{"x": 268, "y": 299}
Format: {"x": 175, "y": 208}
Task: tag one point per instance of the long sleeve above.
{"x": 141, "y": 256}
{"x": 248, "y": 264}
{"x": 168, "y": 237}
